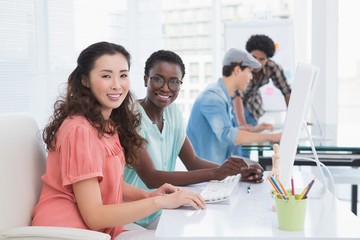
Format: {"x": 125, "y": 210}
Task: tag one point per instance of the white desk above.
{"x": 252, "y": 216}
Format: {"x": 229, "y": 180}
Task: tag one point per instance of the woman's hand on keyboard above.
{"x": 252, "y": 173}
{"x": 231, "y": 166}
{"x": 180, "y": 198}
{"x": 164, "y": 189}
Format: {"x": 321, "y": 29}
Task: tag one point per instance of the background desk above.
{"x": 251, "y": 216}
{"x": 330, "y": 153}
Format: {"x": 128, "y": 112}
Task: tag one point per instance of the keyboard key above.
{"x": 217, "y": 191}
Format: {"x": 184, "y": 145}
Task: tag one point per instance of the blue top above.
{"x": 211, "y": 127}
{"x": 163, "y": 147}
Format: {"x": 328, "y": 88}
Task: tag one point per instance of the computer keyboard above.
{"x": 220, "y": 190}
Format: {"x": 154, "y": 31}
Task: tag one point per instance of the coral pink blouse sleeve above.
{"x": 81, "y": 157}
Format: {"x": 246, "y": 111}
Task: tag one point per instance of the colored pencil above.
{"x": 308, "y": 188}
{"x": 272, "y": 184}
{"x": 276, "y": 189}
{"x": 302, "y": 193}
{"x": 276, "y": 184}
{"x": 283, "y": 189}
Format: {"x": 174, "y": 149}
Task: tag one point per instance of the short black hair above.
{"x": 261, "y": 42}
{"x": 227, "y": 70}
{"x": 164, "y": 56}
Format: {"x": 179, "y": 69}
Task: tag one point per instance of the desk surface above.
{"x": 252, "y": 216}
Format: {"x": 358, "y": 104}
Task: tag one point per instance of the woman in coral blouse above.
{"x": 83, "y": 183}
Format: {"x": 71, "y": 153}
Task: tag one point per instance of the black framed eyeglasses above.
{"x": 158, "y": 82}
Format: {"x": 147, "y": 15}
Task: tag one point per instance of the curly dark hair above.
{"x": 261, "y": 42}
{"x": 163, "y": 56}
{"x": 79, "y": 100}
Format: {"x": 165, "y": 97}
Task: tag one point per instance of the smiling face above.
{"x": 109, "y": 81}
{"x": 260, "y": 56}
{"x": 163, "y": 96}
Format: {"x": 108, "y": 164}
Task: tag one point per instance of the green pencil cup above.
{"x": 290, "y": 213}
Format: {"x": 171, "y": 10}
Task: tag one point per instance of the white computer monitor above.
{"x": 303, "y": 88}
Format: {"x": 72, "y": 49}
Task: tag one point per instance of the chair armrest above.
{"x": 58, "y": 233}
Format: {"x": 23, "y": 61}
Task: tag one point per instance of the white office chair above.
{"x": 22, "y": 162}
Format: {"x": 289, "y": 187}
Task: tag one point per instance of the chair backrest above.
{"x": 22, "y": 162}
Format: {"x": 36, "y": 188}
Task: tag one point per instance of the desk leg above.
{"x": 260, "y": 153}
{"x": 354, "y": 198}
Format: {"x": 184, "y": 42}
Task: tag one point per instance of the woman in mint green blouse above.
{"x": 164, "y": 129}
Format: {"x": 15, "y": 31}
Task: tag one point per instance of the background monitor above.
{"x": 303, "y": 88}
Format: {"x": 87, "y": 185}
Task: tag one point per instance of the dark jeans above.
{"x": 250, "y": 119}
